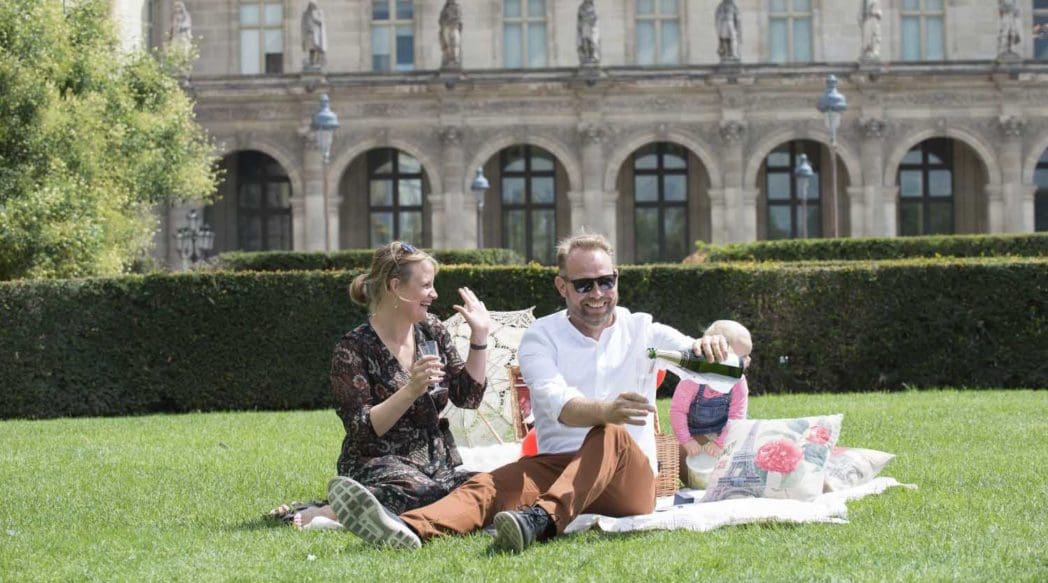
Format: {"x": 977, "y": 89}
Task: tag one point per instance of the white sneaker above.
{"x": 361, "y": 513}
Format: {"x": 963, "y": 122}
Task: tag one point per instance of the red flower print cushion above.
{"x": 774, "y": 458}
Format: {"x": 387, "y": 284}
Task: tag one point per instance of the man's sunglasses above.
{"x": 583, "y": 285}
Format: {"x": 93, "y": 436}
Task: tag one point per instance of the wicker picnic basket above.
{"x": 666, "y": 449}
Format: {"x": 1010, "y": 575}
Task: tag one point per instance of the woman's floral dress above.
{"x": 412, "y": 464}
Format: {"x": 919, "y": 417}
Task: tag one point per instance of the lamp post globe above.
{"x": 324, "y": 123}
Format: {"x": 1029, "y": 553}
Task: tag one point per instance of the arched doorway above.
{"x": 942, "y": 185}
{"x": 384, "y": 193}
{"x": 253, "y": 210}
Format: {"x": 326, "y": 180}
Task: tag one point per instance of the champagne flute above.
{"x": 430, "y": 348}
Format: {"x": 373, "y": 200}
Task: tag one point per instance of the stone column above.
{"x": 453, "y": 216}
{"x": 733, "y": 210}
{"x": 1015, "y": 197}
{"x": 589, "y": 208}
{"x": 334, "y": 210}
{"x": 315, "y": 214}
{"x": 869, "y": 210}
{"x": 298, "y": 222}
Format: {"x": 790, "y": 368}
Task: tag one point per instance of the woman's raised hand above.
{"x": 476, "y": 315}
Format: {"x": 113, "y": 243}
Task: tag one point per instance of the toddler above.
{"x": 698, "y": 413}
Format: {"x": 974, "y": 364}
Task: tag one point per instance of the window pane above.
{"x": 542, "y": 190}
{"x": 779, "y": 185}
{"x": 512, "y": 190}
{"x": 645, "y": 188}
{"x": 536, "y": 45}
{"x": 802, "y": 5}
{"x": 674, "y": 157}
{"x": 675, "y": 229}
{"x": 405, "y": 48}
{"x": 778, "y": 43}
{"x": 668, "y": 7}
{"x": 814, "y": 222}
{"x": 911, "y": 5}
{"x": 278, "y": 232}
{"x": 940, "y": 217}
{"x": 940, "y": 183}
{"x": 380, "y": 57}
{"x": 646, "y": 43}
{"x": 274, "y": 42}
{"x": 543, "y": 235}
{"x": 381, "y": 192}
{"x": 646, "y": 158}
{"x": 1040, "y": 36}
{"x": 674, "y": 187}
{"x": 645, "y": 7}
{"x": 249, "y": 232}
{"x": 910, "y": 218}
{"x": 250, "y": 195}
{"x": 411, "y": 226}
{"x": 410, "y": 192}
{"x": 408, "y": 164}
{"x": 802, "y": 40}
{"x": 405, "y": 9}
{"x": 778, "y": 6}
{"x": 1040, "y": 177}
{"x": 670, "y": 53}
{"x": 779, "y": 222}
{"x": 910, "y": 184}
{"x": 250, "y": 59}
{"x": 912, "y": 157}
{"x": 780, "y": 158}
{"x": 515, "y": 227}
{"x": 274, "y": 14}
{"x": 380, "y": 161}
{"x": 514, "y": 157}
{"x": 380, "y": 10}
{"x": 646, "y": 225}
{"x": 911, "y": 38}
{"x": 541, "y": 161}
{"x": 933, "y": 5}
{"x": 537, "y": 8}
{"x": 381, "y": 228}
{"x": 934, "y": 47}
{"x": 814, "y": 189}
{"x": 511, "y": 9}
{"x": 249, "y": 15}
{"x": 1040, "y": 206}
{"x": 512, "y": 44}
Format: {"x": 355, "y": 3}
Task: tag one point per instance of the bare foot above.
{"x": 303, "y": 518}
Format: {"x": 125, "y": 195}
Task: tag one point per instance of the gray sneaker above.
{"x": 359, "y": 511}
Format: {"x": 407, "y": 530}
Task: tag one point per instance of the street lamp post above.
{"x": 480, "y": 187}
{"x": 832, "y": 104}
{"x": 324, "y": 124}
{"x": 194, "y": 241}
{"x": 803, "y": 173}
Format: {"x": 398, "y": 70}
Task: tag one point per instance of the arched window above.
{"x": 529, "y": 196}
{"x": 660, "y": 203}
{"x": 926, "y": 189}
{"x": 263, "y": 204}
{"x": 793, "y": 214}
{"x": 1040, "y": 178}
{"x": 394, "y": 197}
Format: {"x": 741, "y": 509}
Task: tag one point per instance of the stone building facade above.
{"x": 658, "y": 144}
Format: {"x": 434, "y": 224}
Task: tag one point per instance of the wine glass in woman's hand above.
{"x": 430, "y": 348}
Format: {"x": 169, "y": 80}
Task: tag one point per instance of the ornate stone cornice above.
{"x": 1011, "y": 126}
{"x": 731, "y": 131}
{"x": 873, "y": 127}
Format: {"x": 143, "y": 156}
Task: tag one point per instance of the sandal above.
{"x": 285, "y": 513}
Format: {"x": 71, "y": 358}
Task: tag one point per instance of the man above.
{"x": 592, "y": 389}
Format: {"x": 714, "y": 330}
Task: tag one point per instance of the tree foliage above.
{"x": 91, "y": 138}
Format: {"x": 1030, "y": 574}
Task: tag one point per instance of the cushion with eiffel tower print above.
{"x": 774, "y": 458}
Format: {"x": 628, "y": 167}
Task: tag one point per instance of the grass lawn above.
{"x": 177, "y": 498}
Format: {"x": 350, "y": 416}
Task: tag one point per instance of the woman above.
{"x": 389, "y": 395}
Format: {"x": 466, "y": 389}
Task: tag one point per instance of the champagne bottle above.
{"x": 689, "y": 360}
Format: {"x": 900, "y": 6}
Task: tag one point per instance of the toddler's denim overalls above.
{"x": 708, "y": 416}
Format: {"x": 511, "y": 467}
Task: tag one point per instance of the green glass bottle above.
{"x": 689, "y": 360}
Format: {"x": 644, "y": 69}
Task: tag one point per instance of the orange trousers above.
{"x": 609, "y": 475}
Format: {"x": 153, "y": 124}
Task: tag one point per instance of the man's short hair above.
{"x": 585, "y": 241}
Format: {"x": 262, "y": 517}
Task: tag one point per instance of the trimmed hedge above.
{"x": 217, "y": 341}
{"x": 351, "y": 259}
{"x": 879, "y": 248}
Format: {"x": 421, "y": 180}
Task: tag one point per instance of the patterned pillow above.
{"x": 774, "y": 458}
{"x": 853, "y": 466}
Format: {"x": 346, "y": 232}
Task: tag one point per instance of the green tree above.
{"x": 91, "y": 139}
